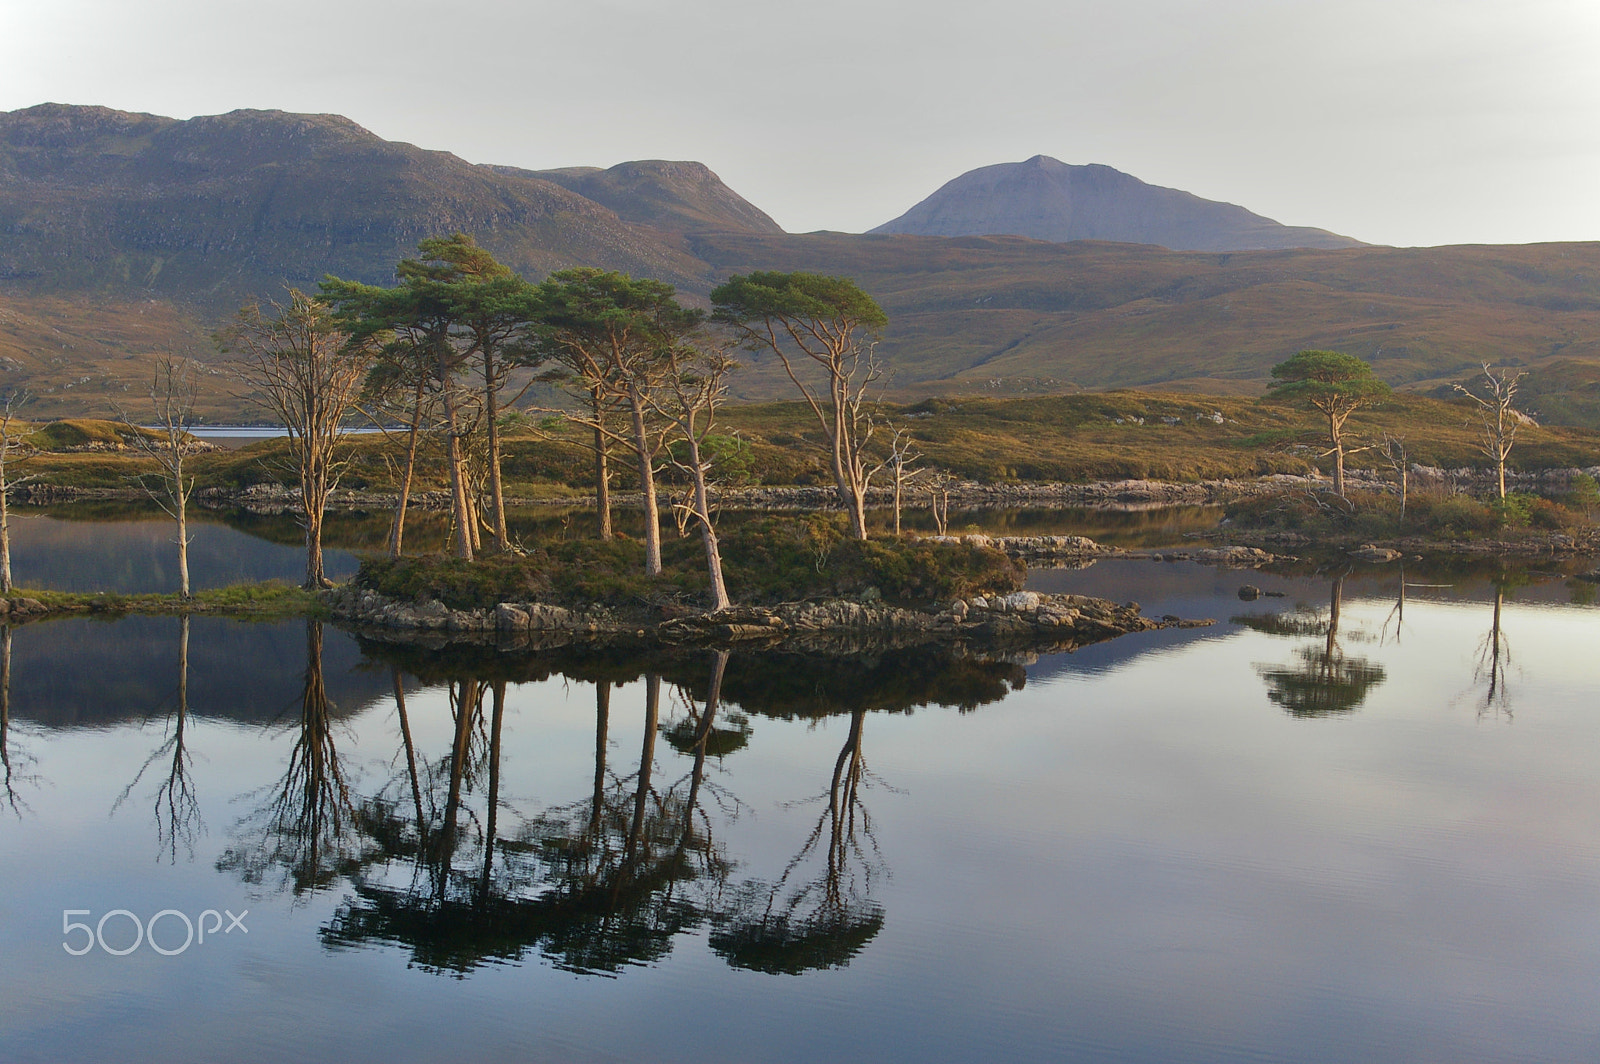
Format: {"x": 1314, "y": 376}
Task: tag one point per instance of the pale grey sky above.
{"x": 1395, "y": 121}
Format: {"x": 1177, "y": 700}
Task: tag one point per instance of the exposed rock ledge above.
{"x": 1063, "y": 621}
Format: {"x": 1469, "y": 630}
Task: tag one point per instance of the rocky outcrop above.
{"x": 21, "y": 609}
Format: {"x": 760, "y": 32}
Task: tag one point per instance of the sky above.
{"x": 1407, "y": 122}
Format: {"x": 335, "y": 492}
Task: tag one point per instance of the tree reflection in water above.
{"x": 14, "y": 762}
{"x": 822, "y": 922}
{"x": 610, "y": 880}
{"x": 304, "y": 831}
{"x": 1325, "y": 681}
{"x": 177, "y": 807}
{"x": 1494, "y": 652}
{"x": 595, "y": 886}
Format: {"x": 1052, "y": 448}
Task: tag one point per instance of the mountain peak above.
{"x": 1047, "y": 199}
{"x": 671, "y": 195}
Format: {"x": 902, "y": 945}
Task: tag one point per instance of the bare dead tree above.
{"x": 14, "y": 449}
{"x": 1393, "y": 450}
{"x": 1501, "y": 419}
{"x": 903, "y": 470}
{"x": 301, "y": 367}
{"x": 695, "y": 383}
{"x": 939, "y": 500}
{"x": 170, "y": 445}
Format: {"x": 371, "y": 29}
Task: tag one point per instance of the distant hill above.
{"x": 124, "y": 237}
{"x": 218, "y": 209}
{"x": 678, "y": 197}
{"x": 1047, "y": 199}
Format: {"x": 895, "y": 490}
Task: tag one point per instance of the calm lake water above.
{"x": 1336, "y": 826}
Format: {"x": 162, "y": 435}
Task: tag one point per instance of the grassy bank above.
{"x": 1095, "y": 436}
{"x": 265, "y": 601}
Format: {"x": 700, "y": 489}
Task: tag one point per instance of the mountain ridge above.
{"x": 124, "y": 237}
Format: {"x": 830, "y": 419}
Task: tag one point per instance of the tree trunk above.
{"x": 315, "y": 577}
{"x": 602, "y": 471}
{"x": 1334, "y": 427}
{"x": 497, "y": 500}
{"x": 647, "y": 485}
{"x": 458, "y": 495}
{"x": 398, "y": 529}
{"x": 182, "y": 506}
{"x": 458, "y": 486}
{"x": 5, "y": 536}
{"x": 708, "y": 533}
{"x": 899, "y": 479}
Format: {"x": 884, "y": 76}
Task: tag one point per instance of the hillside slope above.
{"x": 124, "y": 237}
{"x": 218, "y": 209}
{"x": 1046, "y": 199}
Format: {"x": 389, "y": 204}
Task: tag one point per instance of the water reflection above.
{"x": 610, "y": 880}
{"x": 594, "y": 886}
{"x": 1494, "y": 652}
{"x": 1325, "y": 680}
{"x": 725, "y": 819}
{"x": 798, "y": 924}
{"x": 303, "y": 832}
{"x": 176, "y": 805}
{"x": 14, "y": 762}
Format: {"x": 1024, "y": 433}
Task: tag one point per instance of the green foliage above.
{"x": 796, "y": 297}
{"x": 1331, "y": 381}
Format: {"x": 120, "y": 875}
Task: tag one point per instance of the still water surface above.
{"x": 1335, "y": 826}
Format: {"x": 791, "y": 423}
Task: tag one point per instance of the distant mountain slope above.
{"x": 1046, "y": 199}
{"x": 222, "y": 208}
{"x": 680, "y": 197}
{"x": 1004, "y": 315}
{"x": 124, "y": 237}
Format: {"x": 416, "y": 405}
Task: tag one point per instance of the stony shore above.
{"x": 1022, "y": 617}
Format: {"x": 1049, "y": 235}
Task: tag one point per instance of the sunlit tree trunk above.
{"x": 398, "y": 529}
{"x": 647, "y": 483}
{"x": 602, "y": 471}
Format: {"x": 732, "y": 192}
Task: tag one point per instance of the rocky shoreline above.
{"x": 1020, "y": 618}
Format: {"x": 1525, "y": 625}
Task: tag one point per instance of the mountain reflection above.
{"x": 1325, "y": 680}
